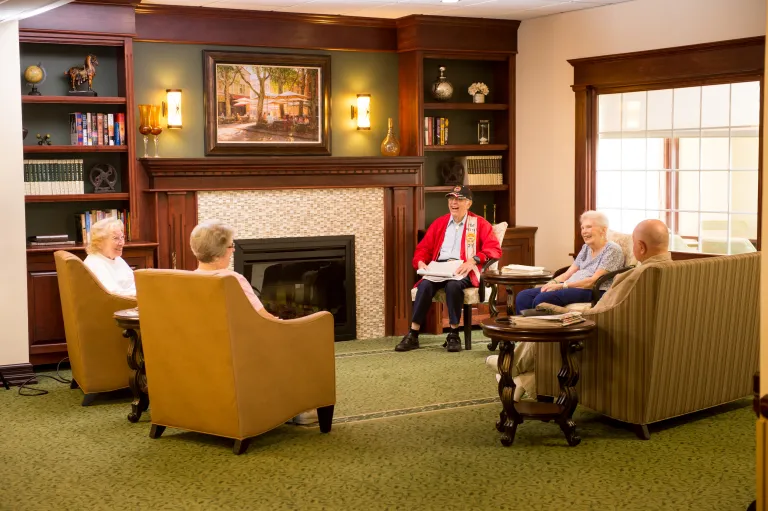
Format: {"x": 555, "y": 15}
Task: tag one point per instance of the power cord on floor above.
{"x": 40, "y": 392}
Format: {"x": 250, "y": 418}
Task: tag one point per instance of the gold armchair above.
{"x": 216, "y": 366}
{"x": 95, "y": 345}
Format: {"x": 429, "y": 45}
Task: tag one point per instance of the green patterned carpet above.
{"x": 414, "y": 431}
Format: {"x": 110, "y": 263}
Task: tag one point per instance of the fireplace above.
{"x": 295, "y": 277}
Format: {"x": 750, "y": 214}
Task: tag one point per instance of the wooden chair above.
{"x": 472, "y": 295}
{"x": 4, "y": 381}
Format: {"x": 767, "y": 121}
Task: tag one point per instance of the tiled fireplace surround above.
{"x": 330, "y": 212}
{"x": 378, "y": 200}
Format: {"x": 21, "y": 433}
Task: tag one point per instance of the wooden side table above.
{"x": 128, "y": 320}
{"x": 508, "y": 280}
{"x": 571, "y": 338}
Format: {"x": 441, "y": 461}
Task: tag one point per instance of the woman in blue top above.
{"x": 597, "y": 257}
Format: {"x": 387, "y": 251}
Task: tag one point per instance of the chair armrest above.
{"x": 599, "y": 282}
{"x": 560, "y": 271}
{"x": 481, "y": 284}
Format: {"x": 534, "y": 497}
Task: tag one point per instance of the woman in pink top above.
{"x": 213, "y": 243}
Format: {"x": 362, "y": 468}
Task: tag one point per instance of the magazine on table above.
{"x": 441, "y": 271}
{"x": 522, "y": 269}
{"x": 569, "y": 318}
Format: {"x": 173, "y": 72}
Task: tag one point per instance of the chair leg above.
{"x": 241, "y": 446}
{"x": 641, "y": 430}
{"x": 4, "y": 381}
{"x": 325, "y": 418}
{"x": 467, "y": 327}
{"x": 88, "y": 399}
{"x": 156, "y": 431}
{"x": 73, "y": 384}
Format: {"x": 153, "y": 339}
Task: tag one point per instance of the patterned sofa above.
{"x": 686, "y": 338}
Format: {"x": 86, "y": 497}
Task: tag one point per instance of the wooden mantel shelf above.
{"x": 281, "y": 172}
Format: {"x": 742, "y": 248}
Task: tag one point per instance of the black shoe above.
{"x": 453, "y": 342}
{"x": 409, "y": 342}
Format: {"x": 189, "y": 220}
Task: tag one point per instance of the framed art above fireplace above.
{"x": 266, "y": 104}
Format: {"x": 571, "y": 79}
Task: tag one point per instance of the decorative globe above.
{"x": 34, "y": 74}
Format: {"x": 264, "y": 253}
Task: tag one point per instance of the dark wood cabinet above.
{"x": 47, "y": 341}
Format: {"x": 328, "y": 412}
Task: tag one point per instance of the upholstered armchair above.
{"x": 95, "y": 344}
{"x": 473, "y": 295}
{"x": 685, "y": 338}
{"x": 216, "y": 366}
{"x": 625, "y": 242}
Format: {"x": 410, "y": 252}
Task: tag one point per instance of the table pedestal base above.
{"x": 137, "y": 381}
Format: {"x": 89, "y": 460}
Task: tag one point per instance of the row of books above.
{"x": 86, "y": 128}
{"x": 84, "y": 221}
{"x": 482, "y": 170}
{"x": 435, "y": 131}
{"x": 53, "y": 177}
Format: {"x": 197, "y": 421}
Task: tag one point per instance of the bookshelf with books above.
{"x": 87, "y": 133}
{"x": 453, "y": 44}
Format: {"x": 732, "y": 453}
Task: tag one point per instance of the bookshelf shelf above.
{"x": 466, "y": 106}
{"x": 467, "y": 147}
{"x": 73, "y": 100}
{"x": 86, "y": 197}
{"x": 80, "y": 247}
{"x": 475, "y": 188}
{"x": 44, "y": 149}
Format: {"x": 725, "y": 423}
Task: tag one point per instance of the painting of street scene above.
{"x": 267, "y": 104}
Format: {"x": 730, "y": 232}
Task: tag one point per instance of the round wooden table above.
{"x": 570, "y": 338}
{"x": 508, "y": 280}
{"x": 128, "y": 320}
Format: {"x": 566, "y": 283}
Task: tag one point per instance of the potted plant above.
{"x": 478, "y": 91}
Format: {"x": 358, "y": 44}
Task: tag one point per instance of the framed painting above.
{"x": 267, "y": 104}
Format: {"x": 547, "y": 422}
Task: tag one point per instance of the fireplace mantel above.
{"x": 281, "y": 172}
{"x": 172, "y": 186}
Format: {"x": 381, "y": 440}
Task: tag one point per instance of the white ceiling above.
{"x": 500, "y": 9}
{"x": 20, "y": 9}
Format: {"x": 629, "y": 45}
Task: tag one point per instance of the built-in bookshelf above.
{"x": 59, "y": 195}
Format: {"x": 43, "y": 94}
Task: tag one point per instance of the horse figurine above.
{"x": 79, "y": 75}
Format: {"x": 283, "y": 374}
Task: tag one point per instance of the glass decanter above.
{"x": 390, "y": 146}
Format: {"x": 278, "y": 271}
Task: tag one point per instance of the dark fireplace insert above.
{"x": 295, "y": 277}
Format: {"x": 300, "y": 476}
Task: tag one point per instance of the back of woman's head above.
{"x": 101, "y": 231}
{"x": 210, "y": 239}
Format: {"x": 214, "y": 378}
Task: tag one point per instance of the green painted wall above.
{"x": 160, "y": 66}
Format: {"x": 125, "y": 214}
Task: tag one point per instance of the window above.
{"x": 687, "y": 156}
{"x": 673, "y": 134}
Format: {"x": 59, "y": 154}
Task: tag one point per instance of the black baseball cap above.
{"x": 460, "y": 192}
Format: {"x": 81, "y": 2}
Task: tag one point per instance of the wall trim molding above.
{"x": 16, "y": 374}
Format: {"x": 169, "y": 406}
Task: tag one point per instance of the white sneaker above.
{"x": 306, "y": 418}
{"x": 492, "y": 361}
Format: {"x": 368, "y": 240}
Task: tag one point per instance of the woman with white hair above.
{"x": 213, "y": 244}
{"x": 597, "y": 257}
{"x": 104, "y": 251}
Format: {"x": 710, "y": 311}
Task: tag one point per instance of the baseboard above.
{"x": 16, "y": 374}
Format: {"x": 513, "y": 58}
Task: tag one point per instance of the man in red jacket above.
{"x": 459, "y": 235}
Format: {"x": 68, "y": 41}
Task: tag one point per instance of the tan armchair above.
{"x": 216, "y": 366}
{"x": 685, "y": 338}
{"x": 95, "y": 344}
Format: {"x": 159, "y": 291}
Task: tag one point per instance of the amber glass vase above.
{"x": 390, "y": 146}
{"x": 154, "y": 117}
{"x": 145, "y": 125}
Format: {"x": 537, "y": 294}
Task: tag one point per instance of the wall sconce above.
{"x": 172, "y": 108}
{"x": 362, "y": 112}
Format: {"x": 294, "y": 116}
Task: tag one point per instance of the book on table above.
{"x": 440, "y": 271}
{"x": 521, "y": 269}
{"x": 569, "y": 318}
